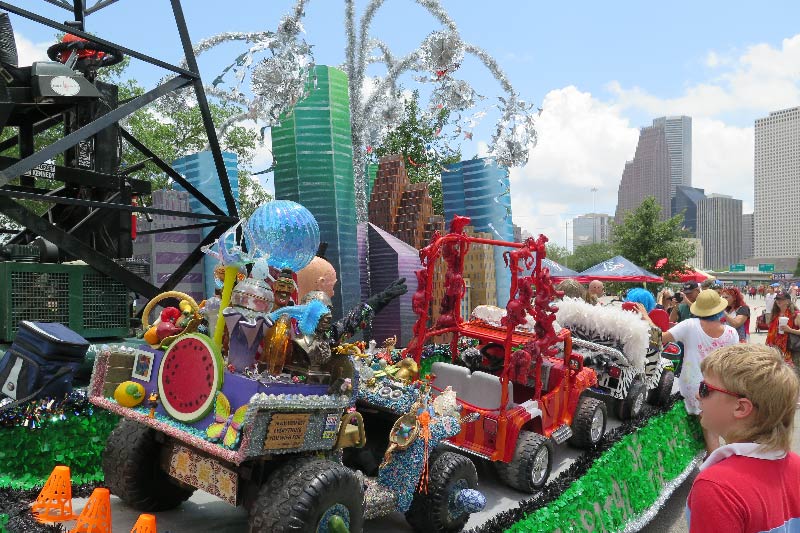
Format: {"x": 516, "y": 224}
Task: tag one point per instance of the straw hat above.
{"x": 708, "y": 303}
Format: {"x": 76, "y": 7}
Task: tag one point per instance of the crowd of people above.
{"x": 744, "y": 394}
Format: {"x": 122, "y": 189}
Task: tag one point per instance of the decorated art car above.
{"x": 525, "y": 385}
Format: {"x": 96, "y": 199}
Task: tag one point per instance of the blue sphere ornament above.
{"x": 286, "y": 231}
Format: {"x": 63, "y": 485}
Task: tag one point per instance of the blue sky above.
{"x": 600, "y": 70}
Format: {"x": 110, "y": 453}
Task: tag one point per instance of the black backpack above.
{"x": 41, "y": 363}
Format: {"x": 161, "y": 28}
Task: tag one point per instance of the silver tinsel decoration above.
{"x": 277, "y": 82}
{"x": 442, "y": 52}
{"x": 453, "y": 95}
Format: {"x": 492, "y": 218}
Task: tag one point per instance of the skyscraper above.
{"x": 777, "y": 170}
{"x": 400, "y": 207}
{"x": 479, "y": 189}
{"x": 685, "y": 202}
{"x": 592, "y": 228}
{"x": 747, "y": 236}
{"x": 719, "y": 226}
{"x": 678, "y": 131}
{"x": 314, "y": 167}
{"x": 199, "y": 170}
{"x": 648, "y": 174}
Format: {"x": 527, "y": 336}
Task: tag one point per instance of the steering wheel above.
{"x": 111, "y": 56}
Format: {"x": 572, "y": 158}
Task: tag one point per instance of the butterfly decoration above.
{"x": 226, "y": 425}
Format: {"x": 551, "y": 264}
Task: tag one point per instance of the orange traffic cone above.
{"x": 145, "y": 524}
{"x": 54, "y": 503}
{"x": 96, "y": 516}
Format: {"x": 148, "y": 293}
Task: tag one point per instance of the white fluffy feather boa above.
{"x": 611, "y": 323}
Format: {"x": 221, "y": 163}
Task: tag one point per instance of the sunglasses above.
{"x": 705, "y": 390}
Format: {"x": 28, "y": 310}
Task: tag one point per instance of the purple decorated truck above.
{"x": 272, "y": 444}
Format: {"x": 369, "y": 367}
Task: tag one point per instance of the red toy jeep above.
{"x": 526, "y": 385}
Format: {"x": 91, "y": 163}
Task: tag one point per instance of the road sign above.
{"x": 766, "y": 267}
{"x": 736, "y": 267}
{"x": 777, "y": 276}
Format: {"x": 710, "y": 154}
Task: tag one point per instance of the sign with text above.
{"x": 766, "y": 267}
{"x": 736, "y": 267}
{"x": 778, "y": 276}
{"x": 286, "y": 430}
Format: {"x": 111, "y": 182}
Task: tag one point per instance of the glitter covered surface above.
{"x": 403, "y": 471}
{"x": 388, "y": 394}
{"x": 378, "y": 500}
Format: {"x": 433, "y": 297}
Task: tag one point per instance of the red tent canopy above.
{"x": 692, "y": 275}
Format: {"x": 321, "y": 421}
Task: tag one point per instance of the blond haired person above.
{"x": 752, "y": 483}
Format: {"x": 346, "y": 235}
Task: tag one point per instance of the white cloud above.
{"x": 28, "y": 51}
{"x": 723, "y": 159}
{"x": 583, "y": 143}
{"x": 761, "y": 79}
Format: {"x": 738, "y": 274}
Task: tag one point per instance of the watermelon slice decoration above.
{"x": 189, "y": 377}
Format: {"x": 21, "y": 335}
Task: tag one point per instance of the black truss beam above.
{"x": 218, "y": 220}
{"x": 202, "y": 102}
{"x": 38, "y": 127}
{"x": 93, "y": 38}
{"x": 101, "y": 123}
{"x": 121, "y": 207}
{"x": 76, "y": 248}
{"x": 161, "y": 164}
{"x": 84, "y": 177}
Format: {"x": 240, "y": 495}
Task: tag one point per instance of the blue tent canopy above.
{"x": 558, "y": 271}
{"x": 618, "y": 269}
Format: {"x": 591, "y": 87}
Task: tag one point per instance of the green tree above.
{"x": 424, "y": 153}
{"x": 589, "y": 255}
{"x": 797, "y": 268}
{"x": 557, "y": 253}
{"x": 644, "y": 239}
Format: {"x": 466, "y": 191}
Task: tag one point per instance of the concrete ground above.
{"x": 206, "y": 513}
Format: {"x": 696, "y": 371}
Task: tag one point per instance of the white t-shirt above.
{"x": 770, "y": 301}
{"x": 696, "y": 346}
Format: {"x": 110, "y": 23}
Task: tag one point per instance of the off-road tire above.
{"x": 628, "y": 406}
{"x": 582, "y": 422}
{"x": 431, "y": 512}
{"x": 132, "y": 470}
{"x": 295, "y": 498}
{"x": 518, "y": 473}
{"x": 661, "y": 394}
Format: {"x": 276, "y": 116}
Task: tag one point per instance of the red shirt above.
{"x": 746, "y": 495}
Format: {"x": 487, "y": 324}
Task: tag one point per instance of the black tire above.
{"x": 430, "y": 512}
{"x": 132, "y": 470}
{"x": 590, "y": 414}
{"x": 660, "y": 395}
{"x": 297, "y": 498}
{"x": 525, "y": 472}
{"x": 632, "y": 405}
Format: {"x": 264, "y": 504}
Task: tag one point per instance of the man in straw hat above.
{"x": 701, "y": 336}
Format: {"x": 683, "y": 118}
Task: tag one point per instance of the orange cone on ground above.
{"x": 96, "y": 516}
{"x": 145, "y": 524}
{"x": 54, "y": 503}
